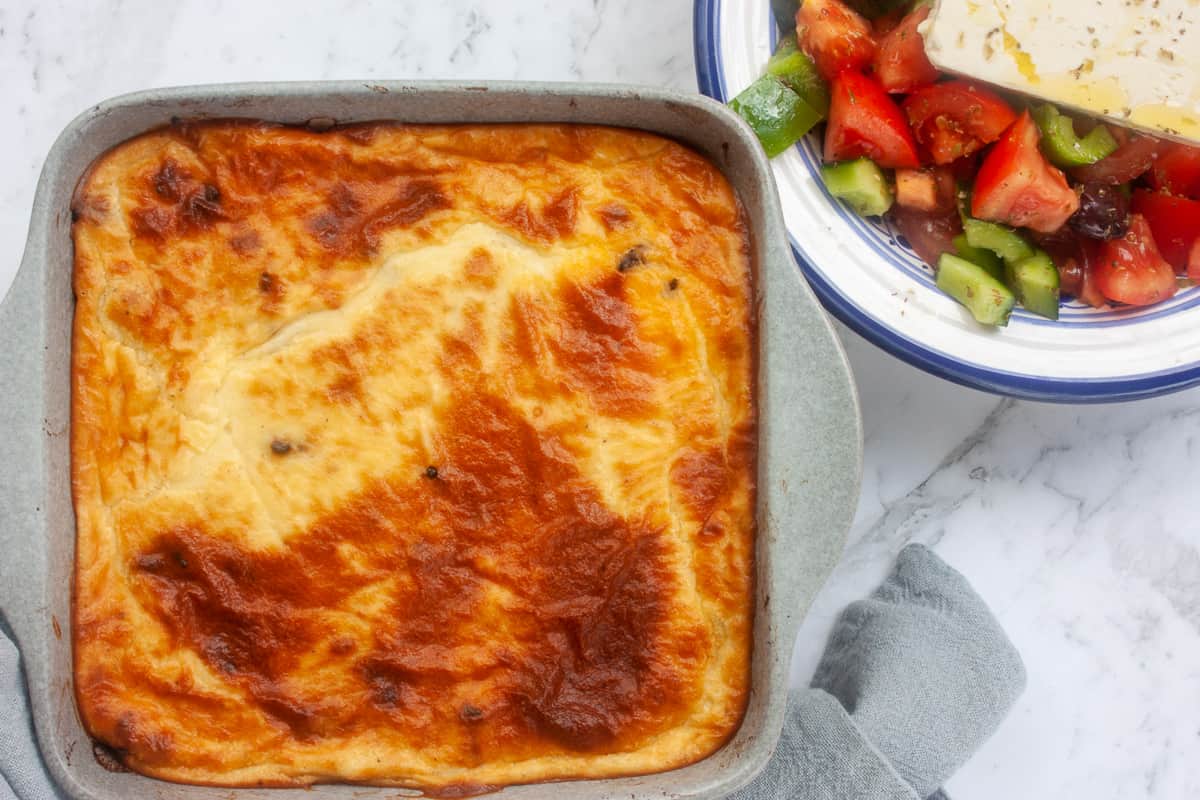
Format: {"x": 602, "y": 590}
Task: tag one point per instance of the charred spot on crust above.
{"x": 600, "y": 346}
{"x": 246, "y": 242}
{"x": 470, "y": 713}
{"x": 431, "y": 472}
{"x": 702, "y": 477}
{"x": 347, "y": 227}
{"x": 169, "y": 180}
{"x": 342, "y": 208}
{"x": 281, "y": 447}
{"x": 89, "y": 208}
{"x": 341, "y": 646}
{"x": 185, "y": 204}
{"x": 272, "y": 289}
{"x": 633, "y": 257}
{"x": 109, "y": 758}
{"x": 201, "y": 207}
{"x": 130, "y": 734}
{"x": 553, "y": 221}
{"x": 383, "y": 690}
{"x": 673, "y": 284}
{"x": 614, "y": 216}
{"x": 152, "y": 223}
{"x": 150, "y": 562}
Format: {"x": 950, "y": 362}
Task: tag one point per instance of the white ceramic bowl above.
{"x": 869, "y": 278}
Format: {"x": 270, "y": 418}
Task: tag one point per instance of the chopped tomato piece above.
{"x": 1131, "y": 270}
{"x": 929, "y": 189}
{"x": 1175, "y": 222}
{"x": 863, "y": 121}
{"x": 1018, "y": 186}
{"x": 1177, "y": 171}
{"x": 835, "y": 36}
{"x": 900, "y": 63}
{"x": 928, "y": 234}
{"x": 956, "y": 118}
{"x": 1129, "y": 161}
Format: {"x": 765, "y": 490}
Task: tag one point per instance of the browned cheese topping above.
{"x": 416, "y": 456}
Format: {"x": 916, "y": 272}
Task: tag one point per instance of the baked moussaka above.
{"x": 408, "y": 455}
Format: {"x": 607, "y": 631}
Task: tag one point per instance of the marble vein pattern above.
{"x": 1078, "y": 525}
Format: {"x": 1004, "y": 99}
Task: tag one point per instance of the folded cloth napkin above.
{"x": 914, "y": 679}
{"x": 22, "y": 775}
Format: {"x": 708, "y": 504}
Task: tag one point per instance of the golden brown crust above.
{"x": 411, "y": 455}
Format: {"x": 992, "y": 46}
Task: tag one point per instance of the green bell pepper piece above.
{"x": 1000, "y": 239}
{"x": 989, "y": 301}
{"x": 1063, "y": 146}
{"x": 777, "y": 114}
{"x": 793, "y": 66}
{"x": 861, "y": 184}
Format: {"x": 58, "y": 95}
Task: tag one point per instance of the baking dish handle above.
{"x": 813, "y": 454}
{"x": 22, "y": 452}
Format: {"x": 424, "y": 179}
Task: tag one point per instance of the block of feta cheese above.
{"x": 1136, "y": 62}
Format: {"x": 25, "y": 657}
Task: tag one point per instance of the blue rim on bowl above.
{"x": 710, "y": 75}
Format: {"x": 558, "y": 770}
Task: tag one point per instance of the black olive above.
{"x": 1103, "y": 212}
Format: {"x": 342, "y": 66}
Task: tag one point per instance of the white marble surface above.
{"x": 1079, "y": 525}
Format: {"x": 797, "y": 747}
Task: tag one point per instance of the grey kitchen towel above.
{"x": 914, "y": 678}
{"x": 22, "y": 775}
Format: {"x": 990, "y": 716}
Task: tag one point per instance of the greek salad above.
{"x": 1007, "y": 199}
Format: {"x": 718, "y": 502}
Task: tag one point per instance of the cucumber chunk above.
{"x": 799, "y": 73}
{"x": 861, "y": 184}
{"x": 778, "y": 115}
{"x": 1000, "y": 239}
{"x": 1063, "y": 146}
{"x": 979, "y": 256}
{"x": 989, "y": 301}
{"x": 1034, "y": 281}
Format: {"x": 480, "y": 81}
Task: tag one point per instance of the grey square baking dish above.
{"x": 810, "y": 436}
